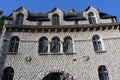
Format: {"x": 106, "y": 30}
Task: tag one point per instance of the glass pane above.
{"x": 43, "y": 45}
{"x": 16, "y": 46}
{"x": 55, "y": 47}
{"x": 95, "y": 45}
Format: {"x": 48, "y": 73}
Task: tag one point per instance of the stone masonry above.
{"x": 82, "y": 64}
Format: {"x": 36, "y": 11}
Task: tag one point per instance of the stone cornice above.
{"x": 63, "y": 28}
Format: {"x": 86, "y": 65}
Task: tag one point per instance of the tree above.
{"x": 2, "y": 19}
{"x": 1, "y": 12}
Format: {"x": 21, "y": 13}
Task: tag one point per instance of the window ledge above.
{"x": 12, "y": 53}
{"x": 69, "y": 53}
{"x": 56, "y": 53}
{"x": 100, "y": 51}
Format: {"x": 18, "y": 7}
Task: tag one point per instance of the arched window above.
{"x": 67, "y": 45}
{"x": 14, "y": 43}
{"x": 55, "y": 45}
{"x": 91, "y": 18}
{"x": 55, "y": 19}
{"x": 103, "y": 73}
{"x": 8, "y": 73}
{"x": 19, "y": 19}
{"x": 97, "y": 43}
{"x": 43, "y": 45}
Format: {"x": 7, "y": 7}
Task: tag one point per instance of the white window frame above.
{"x": 98, "y": 47}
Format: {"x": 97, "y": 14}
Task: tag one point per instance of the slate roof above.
{"x": 74, "y": 16}
{"x": 68, "y": 16}
{"x": 105, "y": 15}
{"x": 38, "y": 16}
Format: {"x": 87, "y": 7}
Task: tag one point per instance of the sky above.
{"x": 107, "y": 6}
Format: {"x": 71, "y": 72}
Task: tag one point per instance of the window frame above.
{"x": 68, "y": 45}
{"x": 103, "y": 73}
{"x": 14, "y": 44}
{"x": 43, "y": 42}
{"x": 97, "y": 43}
{"x": 55, "y": 19}
{"x": 55, "y": 45}
{"x": 91, "y": 18}
{"x": 19, "y": 19}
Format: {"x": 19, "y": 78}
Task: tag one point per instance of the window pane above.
{"x": 19, "y": 18}
{"x": 103, "y": 74}
{"x": 91, "y": 18}
{"x": 68, "y": 45}
{"x": 97, "y": 44}
{"x": 55, "y": 19}
{"x": 43, "y": 45}
{"x": 55, "y": 45}
{"x": 14, "y": 43}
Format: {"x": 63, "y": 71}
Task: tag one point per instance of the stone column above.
{"x": 61, "y": 47}
{"x": 49, "y": 47}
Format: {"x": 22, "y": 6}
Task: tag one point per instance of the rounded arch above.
{"x": 15, "y": 38}
{"x": 43, "y": 45}
{"x": 102, "y": 68}
{"x": 97, "y": 43}
{"x": 68, "y": 45}
{"x": 55, "y": 45}
{"x": 14, "y": 44}
{"x": 90, "y": 14}
{"x": 42, "y": 75}
{"x": 96, "y": 37}
{"x": 67, "y": 37}
{"x": 43, "y": 38}
{"x": 20, "y": 14}
{"x": 55, "y": 38}
{"x": 53, "y": 76}
{"x": 55, "y": 15}
{"x": 8, "y": 73}
{"x": 103, "y": 73}
{"x": 91, "y": 18}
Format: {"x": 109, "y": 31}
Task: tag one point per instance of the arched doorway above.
{"x": 56, "y": 76}
{"x": 8, "y": 73}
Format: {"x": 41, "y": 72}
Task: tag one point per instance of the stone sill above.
{"x": 12, "y": 53}
{"x": 56, "y": 53}
{"x": 100, "y": 51}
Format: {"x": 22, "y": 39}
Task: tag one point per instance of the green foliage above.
{"x": 2, "y": 19}
{"x": 1, "y": 12}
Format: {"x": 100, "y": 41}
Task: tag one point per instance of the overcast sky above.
{"x": 108, "y": 6}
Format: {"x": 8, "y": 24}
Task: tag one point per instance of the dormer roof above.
{"x": 68, "y": 16}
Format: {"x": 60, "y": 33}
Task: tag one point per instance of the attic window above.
{"x": 91, "y": 18}
{"x": 55, "y": 19}
{"x": 19, "y": 19}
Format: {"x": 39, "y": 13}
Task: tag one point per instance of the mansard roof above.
{"x": 105, "y": 15}
{"x": 73, "y": 16}
{"x": 68, "y": 16}
{"x": 38, "y": 16}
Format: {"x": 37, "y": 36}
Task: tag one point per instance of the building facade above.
{"x": 59, "y": 45}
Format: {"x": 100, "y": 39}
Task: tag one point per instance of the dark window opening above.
{"x": 8, "y": 73}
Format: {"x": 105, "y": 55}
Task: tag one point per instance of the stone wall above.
{"x": 83, "y": 65}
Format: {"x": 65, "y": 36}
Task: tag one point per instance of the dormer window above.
{"x": 55, "y": 19}
{"x": 91, "y": 18}
{"x": 19, "y": 19}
